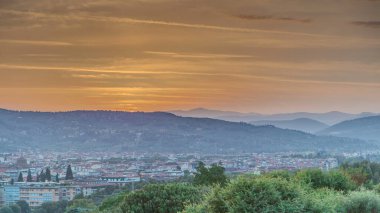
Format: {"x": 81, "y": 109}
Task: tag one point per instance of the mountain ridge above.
{"x": 366, "y": 128}
{"x": 155, "y": 132}
{"x": 302, "y": 124}
{"x": 330, "y": 118}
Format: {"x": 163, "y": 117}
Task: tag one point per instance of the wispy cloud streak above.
{"x": 268, "y": 17}
{"x": 35, "y": 42}
{"x": 373, "y": 24}
{"x": 157, "y": 22}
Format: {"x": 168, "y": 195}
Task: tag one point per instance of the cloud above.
{"x": 197, "y": 55}
{"x": 155, "y": 22}
{"x": 373, "y": 24}
{"x": 270, "y": 17}
{"x": 102, "y": 72}
{"x": 35, "y": 42}
{"x": 81, "y": 69}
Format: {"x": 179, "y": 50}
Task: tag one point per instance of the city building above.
{"x": 11, "y": 194}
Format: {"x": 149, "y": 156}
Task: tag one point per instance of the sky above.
{"x": 266, "y": 56}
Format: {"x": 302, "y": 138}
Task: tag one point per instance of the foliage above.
{"x": 24, "y": 206}
{"x": 315, "y": 178}
{"x": 309, "y": 190}
{"x": 15, "y": 208}
{"x": 322, "y": 201}
{"x": 161, "y": 198}
{"x": 42, "y": 176}
{"x": 186, "y": 178}
{"x": 363, "y": 172}
{"x": 6, "y": 209}
{"x": 209, "y": 176}
{"x": 113, "y": 204}
{"x": 20, "y": 178}
{"x": 29, "y": 178}
{"x": 52, "y": 207}
{"x": 100, "y": 195}
{"x": 287, "y": 175}
{"x": 81, "y": 205}
{"x": 361, "y": 202}
{"x": 48, "y": 174}
{"x": 247, "y": 194}
{"x": 69, "y": 173}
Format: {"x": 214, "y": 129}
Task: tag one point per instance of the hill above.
{"x": 301, "y": 124}
{"x": 367, "y": 128}
{"x": 329, "y": 118}
{"x": 153, "y": 132}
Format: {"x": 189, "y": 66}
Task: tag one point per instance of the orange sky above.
{"x": 147, "y": 55}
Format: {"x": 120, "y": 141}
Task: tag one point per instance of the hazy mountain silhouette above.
{"x": 367, "y": 128}
{"x": 329, "y": 118}
{"x": 301, "y": 124}
{"x": 154, "y": 132}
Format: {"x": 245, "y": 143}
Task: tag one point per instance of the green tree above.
{"x": 113, "y": 203}
{"x": 52, "y": 207}
{"x": 315, "y": 178}
{"x": 287, "y": 175}
{"x": 81, "y": 205}
{"x": 24, "y": 206}
{"x": 260, "y": 194}
{"x": 363, "y": 172}
{"x": 29, "y": 178}
{"x": 323, "y": 200}
{"x": 57, "y": 178}
{"x": 42, "y": 176}
{"x": 48, "y": 174}
{"x": 20, "y": 177}
{"x": 361, "y": 202}
{"x": 6, "y": 209}
{"x": 69, "y": 173}
{"x": 209, "y": 176}
{"x": 15, "y": 208}
{"x": 161, "y": 198}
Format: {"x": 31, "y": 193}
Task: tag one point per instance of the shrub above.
{"x": 361, "y": 202}
{"x": 261, "y": 194}
{"x": 164, "y": 198}
{"x": 315, "y": 178}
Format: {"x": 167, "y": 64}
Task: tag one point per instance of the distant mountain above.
{"x": 367, "y": 128}
{"x": 209, "y": 113}
{"x": 301, "y": 124}
{"x": 329, "y": 118}
{"x": 154, "y": 132}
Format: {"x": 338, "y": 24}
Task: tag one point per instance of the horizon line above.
{"x": 174, "y": 110}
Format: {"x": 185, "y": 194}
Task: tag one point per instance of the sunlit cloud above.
{"x": 373, "y": 24}
{"x": 198, "y": 55}
{"x": 157, "y": 22}
{"x": 270, "y": 17}
{"x": 160, "y": 55}
{"x": 34, "y": 42}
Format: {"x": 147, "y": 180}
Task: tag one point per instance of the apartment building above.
{"x": 37, "y": 193}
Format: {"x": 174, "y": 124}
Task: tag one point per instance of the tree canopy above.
{"x": 209, "y": 176}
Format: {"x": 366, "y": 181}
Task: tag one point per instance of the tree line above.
{"x": 44, "y": 175}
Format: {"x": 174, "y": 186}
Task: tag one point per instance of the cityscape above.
{"x": 189, "y": 106}
{"x": 95, "y": 171}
